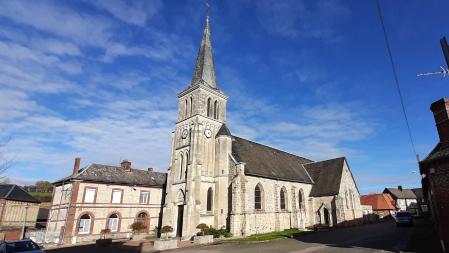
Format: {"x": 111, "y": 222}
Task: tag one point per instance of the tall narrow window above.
{"x": 300, "y": 199}
{"x": 257, "y": 198}
{"x": 209, "y": 199}
{"x": 208, "y": 107}
{"x": 181, "y": 166}
{"x": 216, "y": 109}
{"x": 113, "y": 222}
{"x": 282, "y": 199}
{"x": 186, "y": 108}
{"x": 191, "y": 106}
{"x": 84, "y": 225}
{"x": 186, "y": 166}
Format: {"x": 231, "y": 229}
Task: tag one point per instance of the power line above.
{"x": 396, "y": 79}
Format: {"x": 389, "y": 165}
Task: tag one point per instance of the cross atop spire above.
{"x": 204, "y": 71}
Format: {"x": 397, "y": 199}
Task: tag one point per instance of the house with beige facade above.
{"x": 100, "y": 197}
{"x": 226, "y": 181}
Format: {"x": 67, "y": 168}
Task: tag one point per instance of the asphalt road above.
{"x": 382, "y": 237}
{"x": 369, "y": 238}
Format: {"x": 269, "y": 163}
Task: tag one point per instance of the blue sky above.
{"x": 99, "y": 79}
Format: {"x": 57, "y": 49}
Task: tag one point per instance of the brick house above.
{"x": 103, "y": 196}
{"x": 17, "y": 208}
{"x": 435, "y": 173}
{"x": 383, "y": 204}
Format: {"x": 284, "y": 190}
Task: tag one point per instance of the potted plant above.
{"x": 138, "y": 229}
{"x": 203, "y": 237}
{"x": 166, "y": 242}
{"x": 103, "y": 241}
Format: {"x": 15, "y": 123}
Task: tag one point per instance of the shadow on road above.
{"x": 92, "y": 248}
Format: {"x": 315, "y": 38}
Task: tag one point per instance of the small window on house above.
{"x": 84, "y": 224}
{"x": 144, "y": 197}
{"x": 113, "y": 222}
{"x": 89, "y": 195}
{"x": 116, "y": 196}
{"x": 209, "y": 199}
{"x": 282, "y": 199}
{"x": 300, "y": 199}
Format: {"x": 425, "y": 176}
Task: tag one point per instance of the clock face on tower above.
{"x": 208, "y": 133}
{"x": 184, "y": 134}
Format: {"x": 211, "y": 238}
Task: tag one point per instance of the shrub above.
{"x": 220, "y": 232}
{"x": 166, "y": 229}
{"x": 204, "y": 228}
{"x": 138, "y": 227}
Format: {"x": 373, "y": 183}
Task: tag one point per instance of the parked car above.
{"x": 19, "y": 246}
{"x": 403, "y": 218}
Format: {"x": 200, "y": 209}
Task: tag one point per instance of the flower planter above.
{"x": 162, "y": 244}
{"x": 204, "y": 239}
{"x": 103, "y": 242}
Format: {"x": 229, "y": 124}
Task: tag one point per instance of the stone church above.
{"x": 226, "y": 181}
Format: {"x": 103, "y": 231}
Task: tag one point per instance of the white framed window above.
{"x": 89, "y": 195}
{"x": 144, "y": 197}
{"x": 116, "y": 196}
{"x": 84, "y": 227}
{"x": 113, "y": 222}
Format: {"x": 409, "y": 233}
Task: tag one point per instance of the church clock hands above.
{"x": 184, "y": 134}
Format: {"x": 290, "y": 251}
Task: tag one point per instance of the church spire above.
{"x": 204, "y": 71}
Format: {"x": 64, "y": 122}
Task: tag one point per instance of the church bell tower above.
{"x": 197, "y": 179}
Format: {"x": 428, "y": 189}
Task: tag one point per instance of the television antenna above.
{"x": 444, "y": 71}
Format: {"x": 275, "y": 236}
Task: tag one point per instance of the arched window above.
{"x": 84, "y": 225}
{"x": 209, "y": 199}
{"x": 181, "y": 166}
{"x": 191, "y": 106}
{"x": 300, "y": 199}
{"x": 208, "y": 107}
{"x": 185, "y": 167}
{"x": 258, "y": 197}
{"x": 186, "y": 108}
{"x": 282, "y": 199}
{"x": 142, "y": 217}
{"x": 113, "y": 222}
{"x": 216, "y": 109}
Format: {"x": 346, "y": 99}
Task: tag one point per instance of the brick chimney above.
{"x": 400, "y": 187}
{"x": 150, "y": 169}
{"x": 76, "y": 166}
{"x": 126, "y": 165}
{"x": 440, "y": 111}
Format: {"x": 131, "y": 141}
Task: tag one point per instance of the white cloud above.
{"x": 133, "y": 12}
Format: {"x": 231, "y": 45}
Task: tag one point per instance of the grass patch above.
{"x": 288, "y": 233}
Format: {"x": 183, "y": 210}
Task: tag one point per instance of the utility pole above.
{"x": 444, "y": 70}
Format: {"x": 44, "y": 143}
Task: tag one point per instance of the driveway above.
{"x": 379, "y": 237}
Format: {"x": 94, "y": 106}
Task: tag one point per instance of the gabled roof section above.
{"x": 224, "y": 130}
{"x": 326, "y": 175}
{"x": 117, "y": 175}
{"x": 378, "y": 201}
{"x": 400, "y": 194}
{"x": 264, "y": 161}
{"x": 14, "y": 192}
{"x": 204, "y": 71}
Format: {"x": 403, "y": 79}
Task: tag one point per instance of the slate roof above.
{"x": 398, "y": 194}
{"x": 381, "y": 201}
{"x": 264, "y": 161}
{"x": 116, "y": 175}
{"x": 326, "y": 175}
{"x": 14, "y": 192}
{"x": 224, "y": 130}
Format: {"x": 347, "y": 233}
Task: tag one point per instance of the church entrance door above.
{"x": 326, "y": 216}
{"x": 180, "y": 220}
